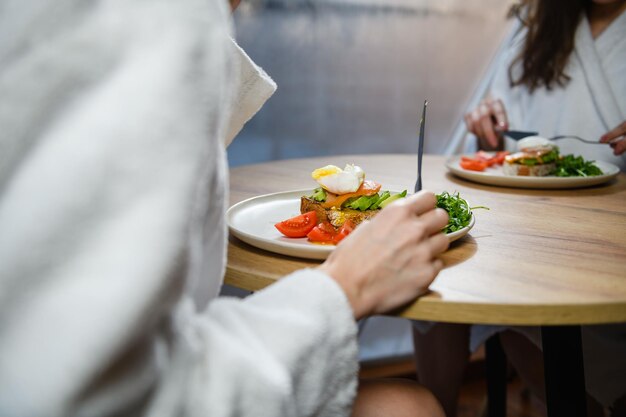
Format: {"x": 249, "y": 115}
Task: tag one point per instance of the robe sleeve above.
{"x": 287, "y": 350}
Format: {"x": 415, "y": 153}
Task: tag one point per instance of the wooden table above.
{"x": 550, "y": 258}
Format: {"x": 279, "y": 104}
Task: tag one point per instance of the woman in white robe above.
{"x": 113, "y": 186}
{"x": 590, "y": 104}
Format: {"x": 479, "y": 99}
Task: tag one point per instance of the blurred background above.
{"x": 352, "y": 74}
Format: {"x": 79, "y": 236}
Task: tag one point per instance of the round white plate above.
{"x": 495, "y": 176}
{"x": 253, "y": 220}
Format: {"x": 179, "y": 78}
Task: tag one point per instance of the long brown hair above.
{"x": 549, "y": 42}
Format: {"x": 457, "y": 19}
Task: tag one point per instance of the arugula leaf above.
{"x": 576, "y": 166}
{"x": 459, "y": 211}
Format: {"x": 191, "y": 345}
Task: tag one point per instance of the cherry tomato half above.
{"x": 343, "y": 231}
{"x": 322, "y": 233}
{"x": 473, "y": 165}
{"x": 298, "y": 226}
{"x": 500, "y": 156}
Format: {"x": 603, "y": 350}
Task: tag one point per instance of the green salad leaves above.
{"x": 575, "y": 166}
{"x": 566, "y": 165}
{"x": 459, "y": 211}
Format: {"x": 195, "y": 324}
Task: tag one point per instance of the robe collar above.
{"x": 587, "y": 52}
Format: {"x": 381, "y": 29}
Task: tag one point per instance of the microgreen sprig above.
{"x": 459, "y": 211}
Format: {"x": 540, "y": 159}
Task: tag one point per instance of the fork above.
{"x": 591, "y": 142}
{"x": 517, "y": 135}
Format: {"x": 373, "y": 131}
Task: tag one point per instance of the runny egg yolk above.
{"x": 337, "y": 180}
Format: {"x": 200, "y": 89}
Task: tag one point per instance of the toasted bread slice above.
{"x": 336, "y": 217}
{"x": 539, "y": 170}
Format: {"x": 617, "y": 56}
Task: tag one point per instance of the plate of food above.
{"x": 537, "y": 164}
{"x": 309, "y": 223}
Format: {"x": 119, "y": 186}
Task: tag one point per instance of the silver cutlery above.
{"x": 518, "y": 134}
{"x": 420, "y": 149}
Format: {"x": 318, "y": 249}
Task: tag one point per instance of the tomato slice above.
{"x": 343, "y": 231}
{"x": 486, "y": 157}
{"x": 322, "y": 233}
{"x": 500, "y": 156}
{"x": 473, "y": 165}
{"x": 298, "y": 226}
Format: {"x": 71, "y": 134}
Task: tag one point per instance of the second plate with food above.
{"x": 495, "y": 176}
{"x": 253, "y": 220}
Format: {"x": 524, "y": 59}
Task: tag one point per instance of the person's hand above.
{"x": 487, "y": 122}
{"x": 392, "y": 259}
{"x": 618, "y": 145}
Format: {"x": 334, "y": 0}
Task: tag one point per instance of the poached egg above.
{"x": 532, "y": 142}
{"x": 339, "y": 181}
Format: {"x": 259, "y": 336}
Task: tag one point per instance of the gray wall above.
{"x": 352, "y": 74}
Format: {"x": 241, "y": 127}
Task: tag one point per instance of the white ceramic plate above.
{"x": 253, "y": 220}
{"x": 495, "y": 176}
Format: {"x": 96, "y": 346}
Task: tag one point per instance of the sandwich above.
{"x": 537, "y": 157}
{"x": 345, "y": 196}
{"x": 343, "y": 200}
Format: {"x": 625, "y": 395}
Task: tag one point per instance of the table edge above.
{"x": 430, "y": 307}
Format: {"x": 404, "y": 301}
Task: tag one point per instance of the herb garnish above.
{"x": 459, "y": 211}
{"x": 575, "y": 166}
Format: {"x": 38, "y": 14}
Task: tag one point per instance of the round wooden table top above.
{"x": 537, "y": 257}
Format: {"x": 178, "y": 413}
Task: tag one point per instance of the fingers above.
{"x": 614, "y": 133}
{"x": 487, "y": 121}
{"x": 616, "y": 138}
{"x": 420, "y": 203}
{"x": 619, "y": 147}
{"x": 477, "y": 125}
{"x": 434, "y": 221}
{"x": 500, "y": 115}
{"x": 438, "y": 244}
{"x": 429, "y": 248}
{"x": 487, "y": 125}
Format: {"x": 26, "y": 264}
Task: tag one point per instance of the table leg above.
{"x": 495, "y": 359}
{"x": 564, "y": 371}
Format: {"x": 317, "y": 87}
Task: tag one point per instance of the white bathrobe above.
{"x": 591, "y": 104}
{"x": 113, "y": 186}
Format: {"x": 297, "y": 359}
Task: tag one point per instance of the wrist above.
{"x": 348, "y": 286}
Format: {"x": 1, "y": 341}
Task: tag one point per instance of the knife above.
{"x": 420, "y": 149}
{"x": 518, "y": 134}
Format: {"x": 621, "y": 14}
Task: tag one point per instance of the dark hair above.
{"x": 551, "y": 26}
